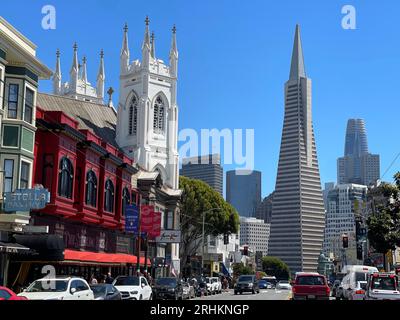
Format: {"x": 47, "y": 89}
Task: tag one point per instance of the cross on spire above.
{"x": 147, "y": 21}
{"x": 58, "y": 53}
{"x": 75, "y": 46}
{"x": 126, "y": 27}
{"x": 174, "y": 29}
{"x": 101, "y": 53}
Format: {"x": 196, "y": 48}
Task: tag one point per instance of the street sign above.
{"x": 26, "y": 200}
{"x": 169, "y": 236}
{"x": 132, "y": 218}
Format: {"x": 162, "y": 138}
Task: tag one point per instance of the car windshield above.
{"x": 245, "y": 279}
{"x": 166, "y": 282}
{"x": 383, "y": 283}
{"x": 283, "y": 282}
{"x": 361, "y": 276}
{"x": 48, "y": 286}
{"x": 127, "y": 281}
{"x": 263, "y": 281}
{"x": 99, "y": 291}
{"x": 310, "y": 281}
{"x": 363, "y": 285}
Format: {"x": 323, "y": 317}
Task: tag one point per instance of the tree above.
{"x": 384, "y": 222}
{"x": 273, "y": 266}
{"x": 198, "y": 198}
{"x": 240, "y": 269}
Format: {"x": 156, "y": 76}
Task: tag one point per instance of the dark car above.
{"x": 168, "y": 288}
{"x": 201, "y": 288}
{"x": 263, "y": 284}
{"x": 105, "y": 291}
{"x": 247, "y": 283}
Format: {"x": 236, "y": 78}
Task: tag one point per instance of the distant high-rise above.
{"x": 243, "y": 191}
{"x": 264, "y": 209}
{"x": 205, "y": 168}
{"x": 298, "y": 219}
{"x": 358, "y": 165}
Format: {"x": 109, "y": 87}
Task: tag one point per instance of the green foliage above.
{"x": 384, "y": 223}
{"x": 273, "y": 266}
{"x": 240, "y": 269}
{"x": 198, "y": 198}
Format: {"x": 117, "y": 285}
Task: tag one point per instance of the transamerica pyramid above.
{"x": 298, "y": 217}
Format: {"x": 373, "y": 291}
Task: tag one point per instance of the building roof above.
{"x": 98, "y": 118}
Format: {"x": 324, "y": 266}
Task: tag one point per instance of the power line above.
{"x": 391, "y": 165}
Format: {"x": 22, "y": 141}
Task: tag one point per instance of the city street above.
{"x": 270, "y": 294}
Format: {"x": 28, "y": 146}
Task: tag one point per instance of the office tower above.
{"x": 205, "y": 168}
{"x": 255, "y": 234}
{"x": 264, "y": 209}
{"x": 298, "y": 219}
{"x": 357, "y": 165}
{"x": 243, "y": 191}
{"x": 340, "y": 216}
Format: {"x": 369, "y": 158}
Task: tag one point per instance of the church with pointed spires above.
{"x": 143, "y": 128}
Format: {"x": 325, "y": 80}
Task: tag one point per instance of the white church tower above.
{"x": 147, "y": 127}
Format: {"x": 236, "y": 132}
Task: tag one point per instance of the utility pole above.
{"x": 202, "y": 246}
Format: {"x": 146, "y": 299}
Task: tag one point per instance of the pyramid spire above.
{"x": 173, "y": 54}
{"x": 297, "y": 68}
{"x": 57, "y": 75}
{"x": 124, "y": 57}
{"x": 75, "y": 63}
{"x": 146, "y": 41}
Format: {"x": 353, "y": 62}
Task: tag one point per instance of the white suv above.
{"x": 217, "y": 284}
{"x": 133, "y": 288}
{"x": 58, "y": 288}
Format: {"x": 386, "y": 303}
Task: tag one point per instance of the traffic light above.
{"x": 359, "y": 251}
{"x": 345, "y": 241}
{"x": 358, "y": 229}
{"x": 226, "y": 238}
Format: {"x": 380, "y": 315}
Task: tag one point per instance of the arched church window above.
{"x": 133, "y": 114}
{"x": 65, "y": 178}
{"x": 159, "y": 116}
{"x": 109, "y": 196}
{"x": 91, "y": 188}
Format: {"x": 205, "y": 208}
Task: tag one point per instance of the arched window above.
{"x": 109, "y": 196}
{"x": 65, "y": 178}
{"x": 126, "y": 199}
{"x": 133, "y": 114}
{"x": 91, "y": 189}
{"x": 159, "y": 116}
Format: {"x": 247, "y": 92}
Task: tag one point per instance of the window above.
{"x": 133, "y": 114}
{"x": 13, "y": 100}
{"x": 159, "y": 115}
{"x": 28, "y": 105}
{"x": 91, "y": 189}
{"x": 109, "y": 196}
{"x": 25, "y": 172}
{"x": 8, "y": 175}
{"x": 47, "y": 178}
{"x": 126, "y": 199}
{"x": 65, "y": 178}
{"x": 10, "y": 136}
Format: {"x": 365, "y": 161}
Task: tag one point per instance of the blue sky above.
{"x": 235, "y": 58}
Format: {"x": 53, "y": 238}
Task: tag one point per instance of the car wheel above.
{"x": 141, "y": 297}
{"x": 151, "y": 297}
{"x": 253, "y": 292}
{"x": 236, "y": 292}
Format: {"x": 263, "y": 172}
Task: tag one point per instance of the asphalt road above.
{"x": 270, "y": 294}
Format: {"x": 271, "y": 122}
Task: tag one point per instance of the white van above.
{"x": 354, "y": 282}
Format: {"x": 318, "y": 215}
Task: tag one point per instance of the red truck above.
{"x": 310, "y": 286}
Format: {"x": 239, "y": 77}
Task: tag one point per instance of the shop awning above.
{"x": 48, "y": 247}
{"x": 101, "y": 258}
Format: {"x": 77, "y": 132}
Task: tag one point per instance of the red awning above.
{"x": 104, "y": 258}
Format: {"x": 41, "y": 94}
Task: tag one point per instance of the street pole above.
{"x": 202, "y": 245}
{"x": 139, "y": 238}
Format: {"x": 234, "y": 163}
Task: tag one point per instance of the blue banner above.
{"x": 132, "y": 218}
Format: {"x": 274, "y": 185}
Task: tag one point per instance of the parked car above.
{"x": 105, "y": 291}
{"x": 283, "y": 285}
{"x": 7, "y": 294}
{"x": 168, "y": 288}
{"x": 133, "y": 288}
{"x": 263, "y": 284}
{"x": 382, "y": 286}
{"x": 201, "y": 288}
{"x": 188, "y": 290}
{"x": 210, "y": 286}
{"x": 247, "y": 283}
{"x": 58, "y": 288}
{"x": 354, "y": 274}
{"x": 217, "y": 284}
{"x": 310, "y": 286}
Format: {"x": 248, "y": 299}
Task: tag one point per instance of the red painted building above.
{"x": 90, "y": 182}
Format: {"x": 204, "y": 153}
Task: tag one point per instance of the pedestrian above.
{"x": 109, "y": 279}
{"x": 93, "y": 280}
{"x": 226, "y": 284}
